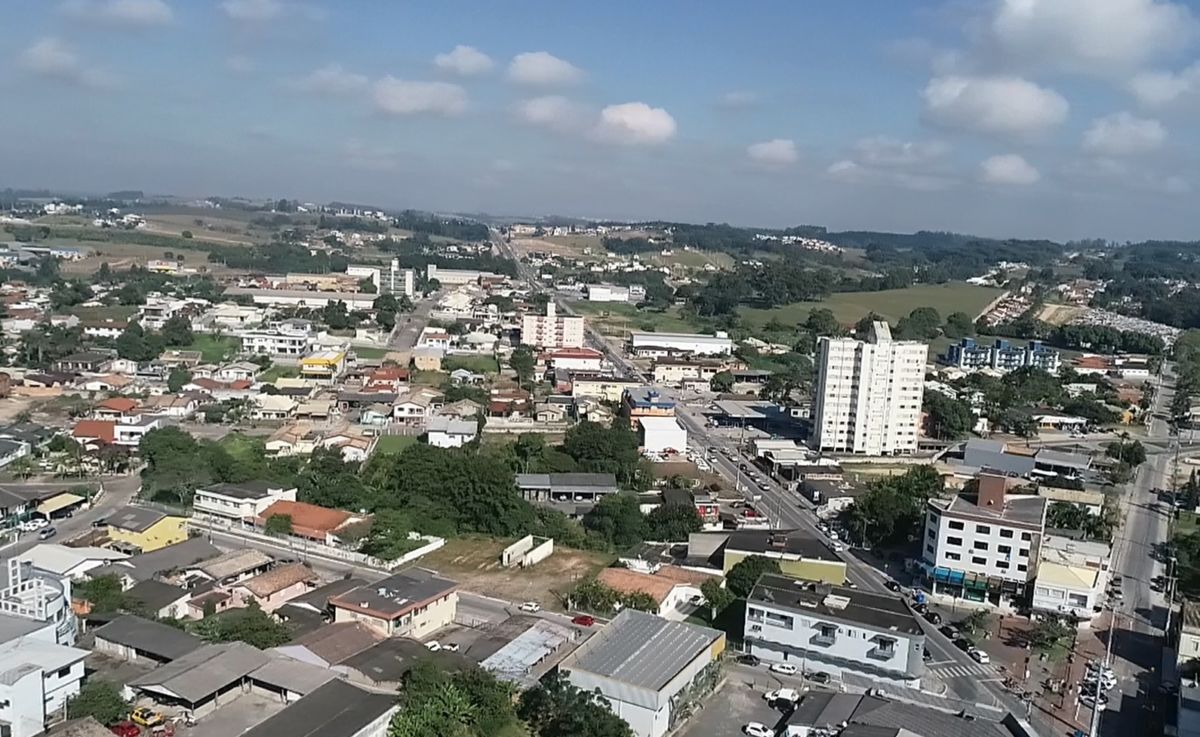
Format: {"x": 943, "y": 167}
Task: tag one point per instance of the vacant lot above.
{"x": 108, "y": 312}
{"x": 475, "y": 563}
{"x": 850, "y": 307}
{"x": 120, "y": 256}
{"x": 388, "y": 444}
{"x": 213, "y": 349}
{"x": 618, "y": 319}
{"x": 1059, "y": 314}
{"x": 475, "y": 364}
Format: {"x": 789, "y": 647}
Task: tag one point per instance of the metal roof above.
{"x": 136, "y": 519}
{"x": 518, "y": 658}
{"x": 642, "y": 650}
{"x": 203, "y": 672}
{"x": 158, "y": 640}
{"x": 336, "y": 709}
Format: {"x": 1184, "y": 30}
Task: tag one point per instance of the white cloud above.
{"x": 540, "y": 68}
{"x": 887, "y": 151}
{"x": 1008, "y": 169}
{"x": 1123, "y": 134}
{"x": 405, "y": 97}
{"x": 1089, "y": 36}
{"x": 1004, "y": 106}
{"x": 552, "y": 111}
{"x": 774, "y": 153}
{"x": 1156, "y": 89}
{"x": 121, "y": 13}
{"x": 465, "y": 61}
{"x": 331, "y": 79}
{"x": 51, "y": 58}
{"x": 254, "y": 11}
{"x": 883, "y": 160}
{"x": 635, "y": 123}
{"x": 738, "y": 100}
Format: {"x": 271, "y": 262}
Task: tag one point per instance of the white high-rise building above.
{"x": 552, "y": 330}
{"x": 868, "y": 397}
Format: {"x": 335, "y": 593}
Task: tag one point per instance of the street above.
{"x": 118, "y": 492}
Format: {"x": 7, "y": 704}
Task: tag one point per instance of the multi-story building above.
{"x": 969, "y": 355}
{"x": 235, "y": 502}
{"x": 288, "y": 338}
{"x": 552, "y": 330}
{"x": 1002, "y": 356}
{"x": 1071, "y": 577}
{"x": 398, "y": 281}
{"x": 868, "y": 397}
{"x": 984, "y": 546}
{"x": 323, "y": 366}
{"x": 39, "y": 676}
{"x": 40, "y": 596}
{"x": 834, "y": 628}
{"x": 412, "y": 603}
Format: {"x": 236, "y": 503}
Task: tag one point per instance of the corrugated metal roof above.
{"x": 642, "y": 650}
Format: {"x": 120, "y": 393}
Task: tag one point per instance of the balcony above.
{"x": 823, "y": 639}
{"x": 881, "y": 653}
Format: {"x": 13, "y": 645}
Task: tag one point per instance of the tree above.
{"x": 863, "y": 326}
{"x": 617, "y": 520}
{"x": 100, "y": 700}
{"x": 104, "y": 593}
{"x": 1049, "y": 633}
{"x": 958, "y": 325}
{"x": 821, "y": 321}
{"x": 177, "y": 331}
{"x": 976, "y": 624}
{"x": 177, "y": 379}
{"x": 923, "y": 323}
{"x": 556, "y": 708}
{"x": 187, "y": 234}
{"x": 746, "y": 572}
{"x": 672, "y": 522}
{"x": 135, "y": 344}
{"x": 722, "y": 382}
{"x": 949, "y": 419}
{"x": 522, "y": 363}
{"x": 1065, "y": 516}
{"x": 604, "y": 449}
{"x": 23, "y": 467}
{"x": 1129, "y": 452}
{"x": 892, "y": 511}
{"x": 716, "y": 596}
{"x": 250, "y": 625}
{"x": 278, "y": 525}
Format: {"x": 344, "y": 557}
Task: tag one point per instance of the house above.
{"x": 835, "y": 629}
{"x": 178, "y": 406}
{"x": 39, "y": 677}
{"x": 133, "y": 638}
{"x": 411, "y": 603}
{"x": 566, "y": 491}
{"x": 412, "y": 408}
{"x": 448, "y": 432}
{"x": 91, "y": 362}
{"x": 162, "y": 563}
{"x": 296, "y": 438}
{"x": 648, "y": 669}
{"x": 323, "y": 367}
{"x": 272, "y": 589}
{"x": 309, "y": 520}
{"x": 331, "y": 644}
{"x": 106, "y": 383}
{"x": 354, "y": 444}
{"x": 272, "y": 407}
{"x": 11, "y": 450}
{"x": 335, "y": 708}
{"x": 117, "y": 409}
{"x": 144, "y": 530}
{"x": 466, "y": 376}
{"x": 233, "y": 566}
{"x": 671, "y": 587}
{"x": 462, "y": 409}
{"x": 239, "y": 501}
{"x": 159, "y": 599}
{"x": 574, "y": 359}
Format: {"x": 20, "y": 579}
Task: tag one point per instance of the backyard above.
{"x": 388, "y": 444}
{"x": 213, "y": 348}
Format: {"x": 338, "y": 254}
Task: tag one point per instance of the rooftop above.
{"x": 247, "y": 490}
{"x": 153, "y": 594}
{"x": 396, "y": 594}
{"x": 204, "y": 671}
{"x": 159, "y": 640}
{"x": 61, "y": 559}
{"x": 792, "y": 542}
{"x": 234, "y": 562}
{"x": 278, "y": 579}
{"x": 388, "y": 660}
{"x": 868, "y": 714}
{"x": 308, "y": 517}
{"x": 319, "y": 597}
{"x": 134, "y": 519}
{"x": 1071, "y": 577}
{"x": 517, "y": 660}
{"x": 1023, "y": 510}
{"x": 566, "y": 481}
{"x": 626, "y": 581}
{"x": 879, "y": 612}
{"x": 164, "y": 560}
{"x": 333, "y": 643}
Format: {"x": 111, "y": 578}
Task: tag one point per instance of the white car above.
{"x": 979, "y": 656}
{"x": 433, "y": 646}
{"x": 1087, "y": 700}
{"x": 758, "y": 729}
{"x": 782, "y": 694}
{"x": 786, "y": 669}
{"x": 531, "y": 606}
{"x": 837, "y": 546}
{"x": 33, "y": 525}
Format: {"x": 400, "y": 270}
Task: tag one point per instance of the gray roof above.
{"x": 451, "y": 425}
{"x": 1027, "y": 510}
{"x": 289, "y": 674}
{"x": 641, "y": 650}
{"x": 137, "y": 519}
{"x": 1048, "y": 457}
{"x": 158, "y": 640}
{"x": 153, "y": 595}
{"x": 336, "y": 709}
{"x": 396, "y": 594}
{"x": 319, "y": 597}
{"x": 387, "y": 661}
{"x": 879, "y": 612}
{"x": 796, "y": 542}
{"x": 12, "y": 627}
{"x": 203, "y": 672}
{"x": 872, "y": 716}
{"x": 247, "y": 490}
{"x": 566, "y": 481}
{"x": 164, "y": 560}
{"x": 981, "y": 453}
{"x": 333, "y": 643}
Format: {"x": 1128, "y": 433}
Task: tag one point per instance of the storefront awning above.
{"x": 60, "y": 502}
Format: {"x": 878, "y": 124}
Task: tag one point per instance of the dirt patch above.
{"x": 475, "y": 564}
{"x": 1059, "y": 314}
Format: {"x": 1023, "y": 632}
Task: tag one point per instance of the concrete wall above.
{"x": 527, "y": 551}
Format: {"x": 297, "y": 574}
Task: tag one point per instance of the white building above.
{"x": 452, "y": 277}
{"x": 984, "y": 547}
{"x": 37, "y": 677}
{"x": 239, "y": 501}
{"x": 40, "y": 597}
{"x": 448, "y": 432}
{"x": 868, "y": 395}
{"x": 833, "y": 628}
{"x": 607, "y": 293}
{"x": 291, "y": 338}
{"x": 392, "y": 280}
{"x": 1071, "y": 577}
{"x": 660, "y": 434}
{"x": 552, "y": 330}
{"x": 659, "y": 345}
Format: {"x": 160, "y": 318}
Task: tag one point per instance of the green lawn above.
{"x": 370, "y": 353}
{"x": 278, "y": 371}
{"x": 394, "y": 443}
{"x": 1186, "y": 524}
{"x": 213, "y": 349}
{"x": 475, "y": 364}
{"x": 618, "y": 318}
{"x": 850, "y": 307}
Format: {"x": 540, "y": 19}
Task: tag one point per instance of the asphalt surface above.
{"x": 408, "y": 327}
{"x": 118, "y": 492}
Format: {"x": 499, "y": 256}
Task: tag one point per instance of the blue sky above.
{"x": 1056, "y": 118}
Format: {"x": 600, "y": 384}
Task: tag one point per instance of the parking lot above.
{"x": 731, "y": 707}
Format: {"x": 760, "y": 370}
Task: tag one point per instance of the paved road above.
{"x": 118, "y": 491}
{"x": 408, "y": 327}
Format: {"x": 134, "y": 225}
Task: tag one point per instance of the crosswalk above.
{"x": 955, "y": 669}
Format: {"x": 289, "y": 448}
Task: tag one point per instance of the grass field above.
{"x": 278, "y": 371}
{"x": 850, "y": 307}
{"x": 370, "y": 353}
{"x": 619, "y": 319}
{"x": 394, "y": 443}
{"x": 213, "y": 349}
{"x": 475, "y": 364}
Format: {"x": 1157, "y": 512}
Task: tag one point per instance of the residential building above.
{"x": 288, "y": 338}
{"x": 606, "y": 388}
{"x": 660, "y": 345}
{"x": 799, "y": 554}
{"x": 968, "y": 355}
{"x": 412, "y": 603}
{"x": 447, "y": 432}
{"x": 552, "y": 330}
{"x": 574, "y": 359}
{"x": 274, "y": 588}
{"x": 37, "y": 678}
{"x": 608, "y": 293}
{"x": 984, "y": 546}
{"x": 868, "y": 394}
{"x": 671, "y": 587}
{"x": 94, "y": 434}
{"x": 335, "y": 708}
{"x": 323, "y": 366}
{"x": 1189, "y": 632}
{"x": 834, "y": 628}
{"x": 651, "y": 671}
{"x": 143, "y": 530}
{"x": 661, "y": 435}
{"x": 239, "y": 501}
{"x": 233, "y": 566}
{"x": 309, "y": 520}
{"x": 644, "y": 401}
{"x": 676, "y": 371}
{"x": 41, "y": 597}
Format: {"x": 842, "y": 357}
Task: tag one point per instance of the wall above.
{"x": 167, "y": 531}
{"x": 21, "y": 704}
{"x": 59, "y": 688}
{"x": 809, "y": 569}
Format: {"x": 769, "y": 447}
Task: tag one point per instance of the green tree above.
{"x": 863, "y": 327}
{"x": 821, "y": 321}
{"x": 603, "y": 449}
{"x": 99, "y": 699}
{"x": 1050, "y": 632}
{"x": 556, "y": 708}
{"x": 278, "y": 525}
{"x": 892, "y": 511}
{"x": 672, "y": 522}
{"x": 177, "y": 379}
{"x": 923, "y": 323}
{"x": 23, "y": 467}
{"x": 250, "y": 625}
{"x": 177, "y": 331}
{"x": 958, "y": 325}
{"x": 722, "y": 382}
{"x": 187, "y": 234}
{"x": 135, "y": 344}
{"x": 522, "y": 363}
{"x": 617, "y": 520}
{"x": 746, "y": 572}
{"x": 1065, "y": 516}
{"x": 716, "y": 597}
{"x": 104, "y": 593}
{"x": 976, "y": 625}
{"x": 949, "y": 419}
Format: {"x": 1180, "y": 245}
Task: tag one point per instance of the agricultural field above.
{"x": 850, "y": 307}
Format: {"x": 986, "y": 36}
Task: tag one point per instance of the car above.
{"x": 949, "y": 631}
{"x": 833, "y": 535}
{"x": 892, "y": 586}
{"x": 782, "y": 694}
{"x": 433, "y": 646}
{"x": 748, "y": 659}
{"x": 125, "y": 728}
{"x": 145, "y": 716}
{"x": 450, "y": 647}
{"x": 696, "y": 600}
{"x": 758, "y": 729}
{"x": 932, "y": 617}
{"x": 46, "y": 533}
{"x": 837, "y": 546}
{"x": 785, "y": 669}
{"x": 531, "y": 606}
{"x": 819, "y": 677}
{"x": 964, "y": 644}
{"x": 979, "y": 656}
{"x": 926, "y": 655}
{"x": 102, "y": 522}
{"x": 1093, "y": 700}
{"x": 583, "y": 620}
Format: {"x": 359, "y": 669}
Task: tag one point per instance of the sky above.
{"x": 1011, "y": 118}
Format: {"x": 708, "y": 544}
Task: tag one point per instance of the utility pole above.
{"x": 1097, "y": 709}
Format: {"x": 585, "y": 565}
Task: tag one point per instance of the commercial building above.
{"x": 412, "y": 603}
{"x": 239, "y": 501}
{"x": 799, "y": 554}
{"x": 552, "y": 330}
{"x": 648, "y": 669}
{"x": 133, "y": 638}
{"x": 392, "y": 280}
{"x": 868, "y": 395}
{"x": 663, "y": 345}
{"x": 822, "y": 713}
{"x": 644, "y": 401}
{"x": 661, "y": 435}
{"x": 303, "y": 297}
{"x": 833, "y": 628}
{"x": 984, "y": 546}
{"x": 37, "y": 678}
{"x": 1002, "y": 356}
{"x": 1071, "y": 577}
{"x": 455, "y": 277}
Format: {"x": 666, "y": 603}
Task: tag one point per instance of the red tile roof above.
{"x": 100, "y": 429}
{"x": 307, "y": 519}
{"x": 118, "y": 404}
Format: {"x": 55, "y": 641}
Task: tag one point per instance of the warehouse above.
{"x": 663, "y": 345}
{"x": 661, "y": 435}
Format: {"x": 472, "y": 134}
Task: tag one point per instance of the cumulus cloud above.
{"x": 552, "y": 111}
{"x": 331, "y": 79}
{"x": 1008, "y": 169}
{"x": 465, "y": 61}
{"x": 883, "y": 160}
{"x": 253, "y": 11}
{"x": 53, "y": 59}
{"x": 1159, "y": 88}
{"x": 1089, "y": 36}
{"x": 777, "y": 152}
{"x": 543, "y": 69}
{"x": 1123, "y": 134}
{"x": 737, "y": 100}
{"x": 119, "y": 13}
{"x": 634, "y": 124}
{"x": 1003, "y": 106}
{"x": 405, "y": 97}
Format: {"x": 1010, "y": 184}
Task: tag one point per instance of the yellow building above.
{"x": 145, "y": 529}
{"x": 323, "y": 366}
{"x": 799, "y": 555}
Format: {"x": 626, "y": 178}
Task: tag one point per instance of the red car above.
{"x": 125, "y": 729}
{"x": 584, "y": 620}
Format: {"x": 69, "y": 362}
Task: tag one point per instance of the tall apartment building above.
{"x": 868, "y": 397}
{"x": 551, "y": 330}
{"x": 395, "y": 280}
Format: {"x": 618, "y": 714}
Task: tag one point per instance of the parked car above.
{"x": 450, "y": 647}
{"x": 950, "y": 631}
{"x": 583, "y": 620}
{"x": 748, "y": 659}
{"x": 892, "y": 586}
{"x": 786, "y": 669}
{"x": 125, "y": 729}
{"x": 433, "y": 646}
{"x": 145, "y": 716}
{"x": 819, "y": 677}
{"x": 102, "y": 522}
{"x": 531, "y": 606}
{"x": 979, "y": 656}
{"x": 926, "y": 655}
{"x": 46, "y": 533}
{"x": 932, "y": 617}
{"x": 1093, "y": 700}
{"x": 758, "y": 729}
{"x": 782, "y": 694}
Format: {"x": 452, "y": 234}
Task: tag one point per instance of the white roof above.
{"x": 658, "y": 338}
{"x": 275, "y": 402}
{"x": 656, "y": 424}
{"x": 47, "y": 656}
{"x": 60, "y": 559}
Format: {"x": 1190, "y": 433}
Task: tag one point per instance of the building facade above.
{"x": 868, "y": 396}
{"x": 552, "y": 330}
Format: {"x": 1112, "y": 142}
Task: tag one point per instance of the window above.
{"x": 1006, "y": 533}
{"x": 979, "y": 561}
{"x": 983, "y": 529}
{"x": 1026, "y": 536}
{"x": 955, "y": 525}
{"x": 64, "y": 672}
{"x": 956, "y": 541}
{"x": 980, "y": 545}
{"x": 1004, "y": 549}
{"x": 1024, "y": 553}
{"x": 953, "y": 556}
{"x": 931, "y": 534}
{"x": 930, "y": 549}
{"x": 1002, "y": 565}
{"x": 1022, "y": 568}
{"x": 779, "y": 620}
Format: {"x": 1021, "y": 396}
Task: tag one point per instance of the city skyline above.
{"x": 1013, "y": 118}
